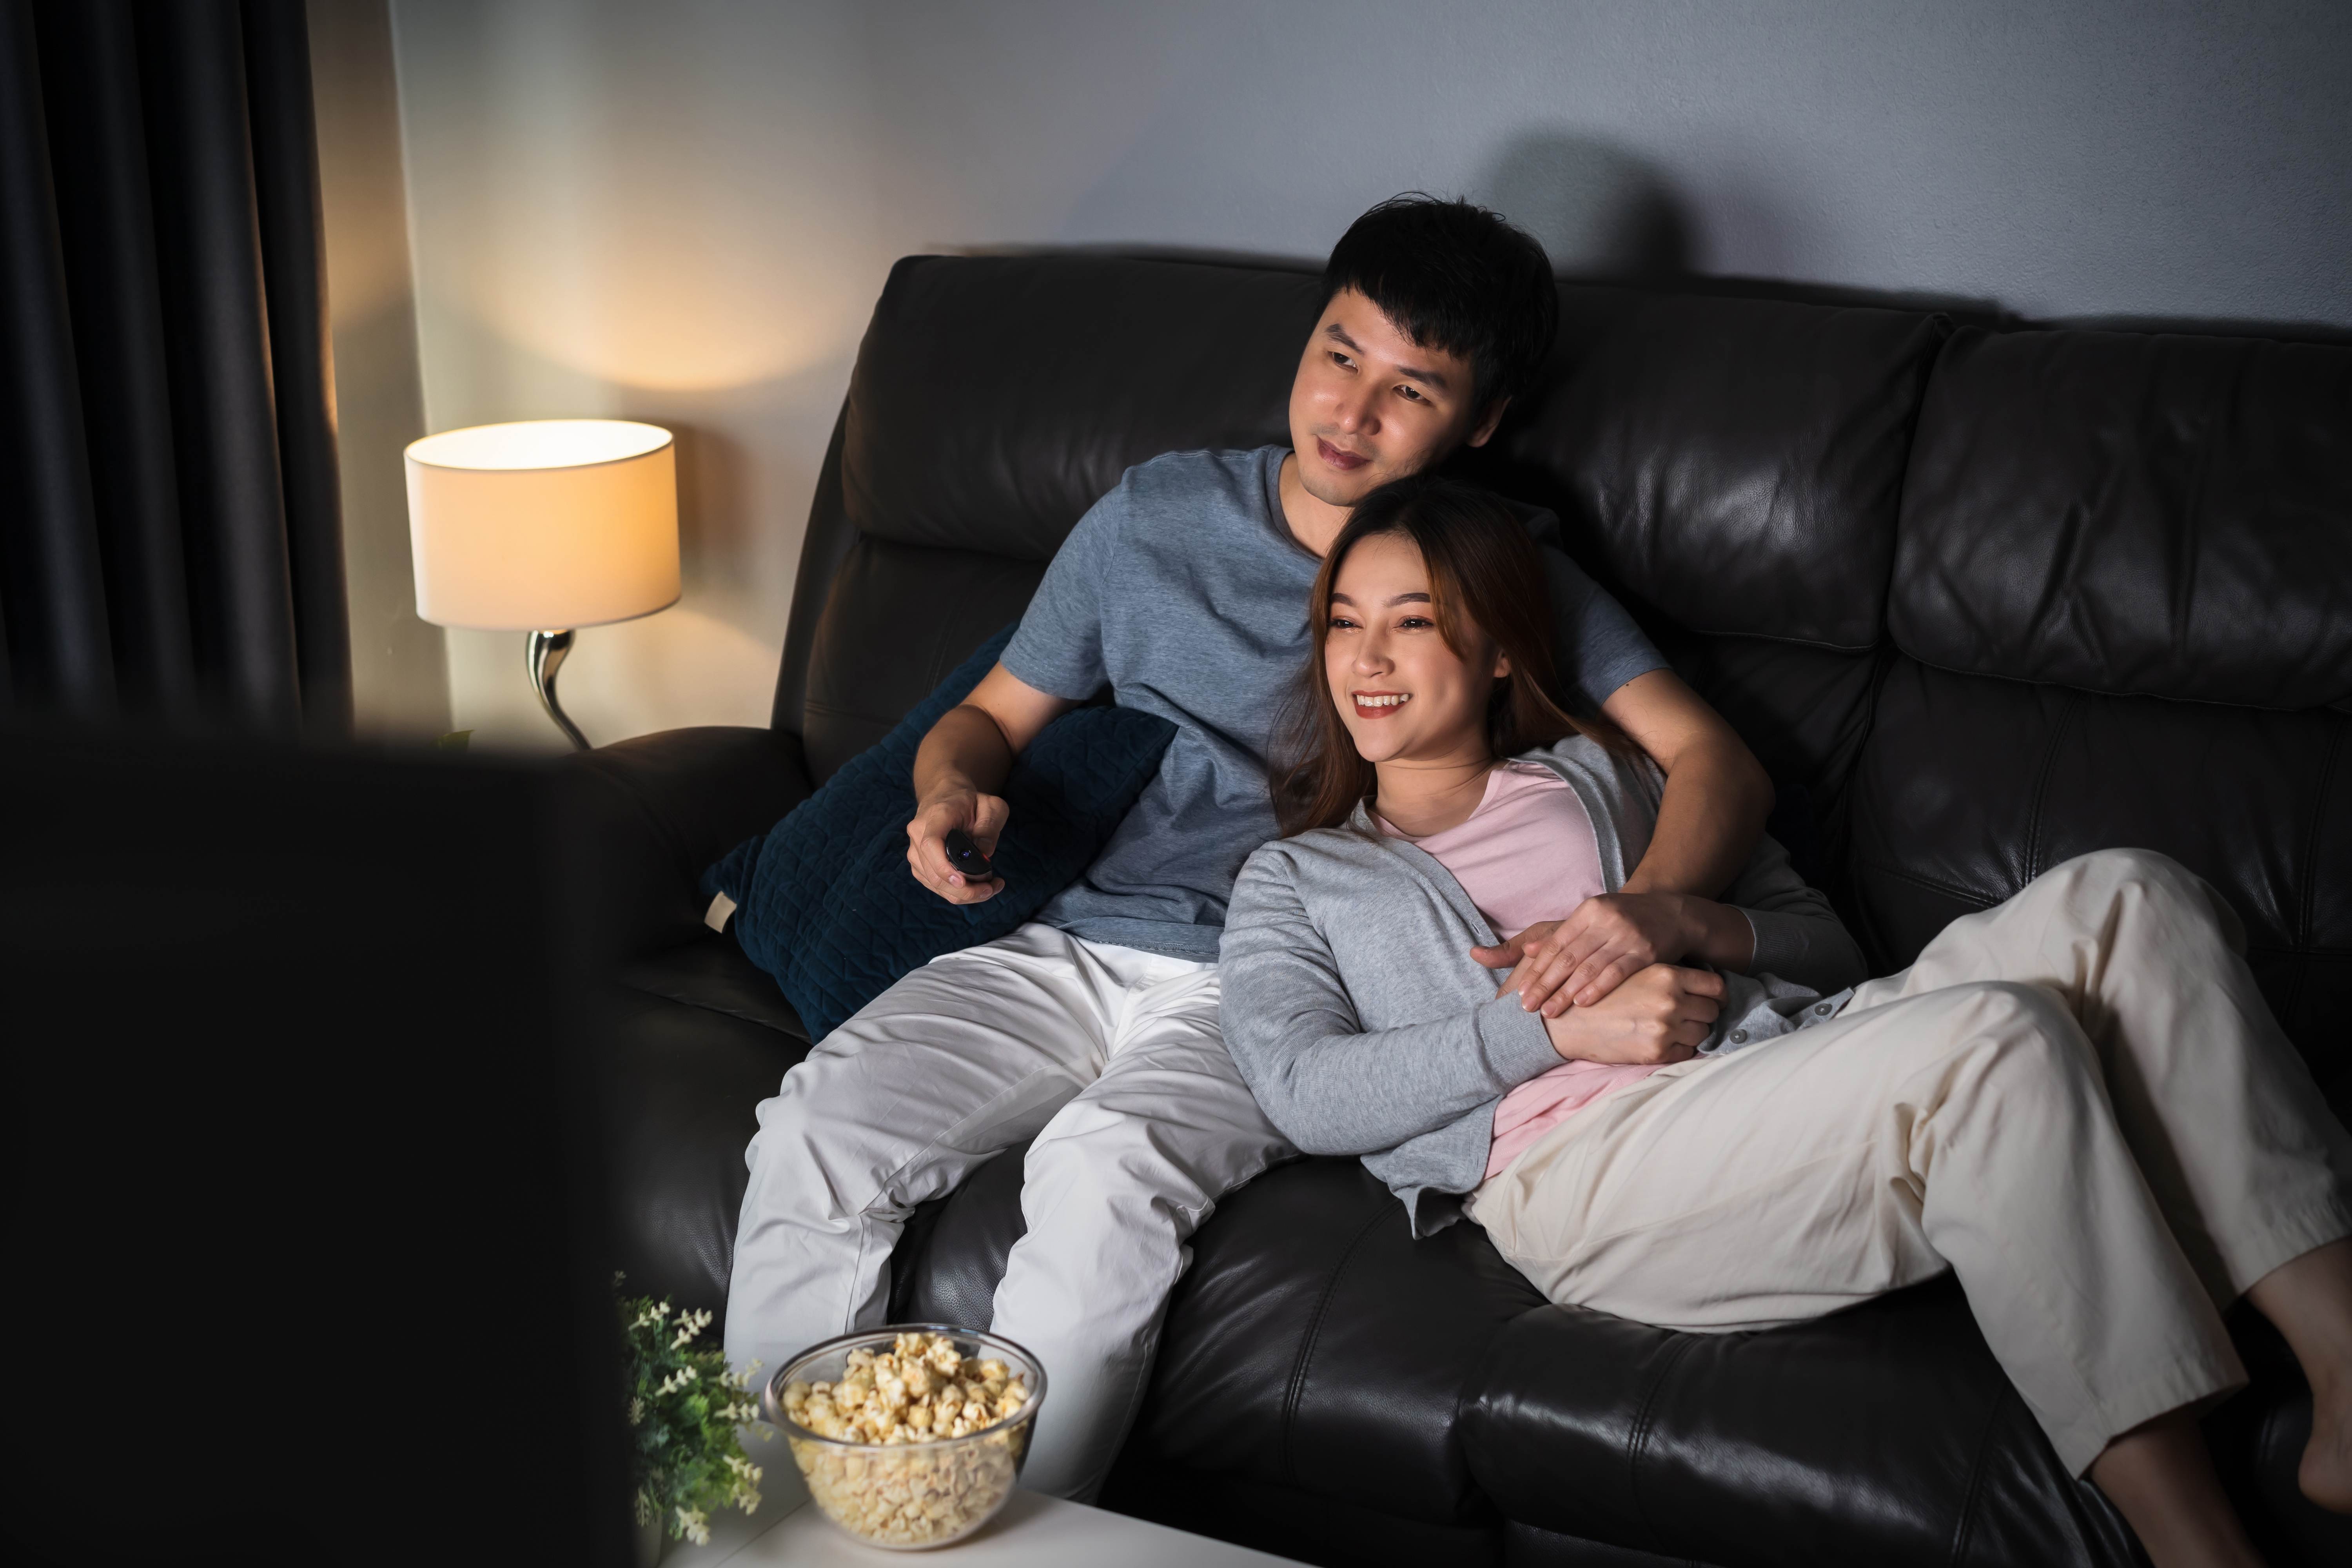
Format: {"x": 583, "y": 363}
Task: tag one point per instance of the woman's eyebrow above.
{"x": 1415, "y": 597}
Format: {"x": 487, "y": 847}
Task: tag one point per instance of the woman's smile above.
{"x": 1378, "y": 704}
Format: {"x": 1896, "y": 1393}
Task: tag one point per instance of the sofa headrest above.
{"x": 1738, "y": 463}
{"x": 2132, "y": 513}
{"x": 996, "y": 397}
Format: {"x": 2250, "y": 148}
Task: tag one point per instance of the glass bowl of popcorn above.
{"x": 909, "y": 1437}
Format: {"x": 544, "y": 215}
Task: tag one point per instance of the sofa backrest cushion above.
{"x": 2125, "y": 512}
{"x": 1969, "y": 788}
{"x": 997, "y": 397}
{"x": 1736, "y": 463}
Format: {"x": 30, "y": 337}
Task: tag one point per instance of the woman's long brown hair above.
{"x": 1485, "y": 578}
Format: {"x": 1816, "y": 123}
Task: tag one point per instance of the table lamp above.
{"x": 544, "y": 526}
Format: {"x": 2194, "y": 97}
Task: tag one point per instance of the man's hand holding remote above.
{"x": 969, "y": 810}
{"x": 962, "y": 762}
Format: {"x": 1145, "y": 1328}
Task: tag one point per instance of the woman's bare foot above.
{"x": 2160, "y": 1477}
{"x": 2310, "y": 1299}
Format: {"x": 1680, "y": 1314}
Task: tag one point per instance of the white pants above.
{"x": 1112, "y": 1060}
{"x": 2076, "y": 1100}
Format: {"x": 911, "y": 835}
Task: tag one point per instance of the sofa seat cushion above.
{"x": 710, "y": 971}
{"x": 1885, "y": 1434}
{"x": 1314, "y": 1345}
{"x": 682, "y": 1093}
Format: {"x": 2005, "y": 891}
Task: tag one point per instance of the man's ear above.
{"x": 1485, "y": 429}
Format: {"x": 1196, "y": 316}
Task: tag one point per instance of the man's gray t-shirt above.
{"x": 1183, "y": 590}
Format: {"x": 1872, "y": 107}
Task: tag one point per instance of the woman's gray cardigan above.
{"x": 1354, "y": 1010}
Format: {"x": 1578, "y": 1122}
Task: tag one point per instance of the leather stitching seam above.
{"x": 2307, "y": 915}
{"x": 1934, "y": 884}
{"x": 1966, "y": 1525}
{"x": 1939, "y": 334}
{"x": 677, "y": 996}
{"x": 2042, "y": 785}
{"x": 1638, "y": 1439}
{"x": 1291, "y": 1395}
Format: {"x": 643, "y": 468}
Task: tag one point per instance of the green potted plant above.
{"x": 685, "y": 1459}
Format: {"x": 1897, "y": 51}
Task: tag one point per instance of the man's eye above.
{"x": 1411, "y": 393}
{"x": 1342, "y": 361}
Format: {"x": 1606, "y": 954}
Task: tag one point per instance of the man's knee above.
{"x": 812, "y": 1156}
{"x": 1109, "y": 1160}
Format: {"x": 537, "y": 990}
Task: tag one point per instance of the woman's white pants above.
{"x": 2077, "y": 1102}
{"x": 1111, "y": 1059}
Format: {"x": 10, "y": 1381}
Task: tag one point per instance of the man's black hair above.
{"x": 1456, "y": 277}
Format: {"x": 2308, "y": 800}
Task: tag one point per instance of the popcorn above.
{"x": 911, "y": 1398}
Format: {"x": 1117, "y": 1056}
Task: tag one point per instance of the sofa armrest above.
{"x": 658, "y": 808}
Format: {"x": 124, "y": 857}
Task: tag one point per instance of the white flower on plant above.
{"x": 690, "y": 1458}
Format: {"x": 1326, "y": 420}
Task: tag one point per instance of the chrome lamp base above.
{"x": 544, "y": 655}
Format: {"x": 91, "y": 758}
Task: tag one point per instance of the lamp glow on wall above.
{"x": 544, "y": 526}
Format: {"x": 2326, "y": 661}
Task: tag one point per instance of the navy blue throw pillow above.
{"x": 824, "y": 901}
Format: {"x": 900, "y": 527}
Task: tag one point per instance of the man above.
{"x": 1094, "y": 1028}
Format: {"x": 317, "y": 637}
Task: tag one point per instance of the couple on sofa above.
{"x": 1494, "y": 912}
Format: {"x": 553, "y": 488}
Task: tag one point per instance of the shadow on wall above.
{"x": 1599, "y": 210}
{"x": 1606, "y": 215}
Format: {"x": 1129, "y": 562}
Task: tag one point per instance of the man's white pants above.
{"x": 2076, "y": 1100}
{"x": 1112, "y": 1060}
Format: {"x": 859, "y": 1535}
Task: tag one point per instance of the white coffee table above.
{"x": 1032, "y": 1531}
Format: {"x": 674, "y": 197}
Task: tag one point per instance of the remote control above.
{"x": 966, "y": 857}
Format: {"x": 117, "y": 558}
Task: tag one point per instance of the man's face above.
{"x": 1370, "y": 405}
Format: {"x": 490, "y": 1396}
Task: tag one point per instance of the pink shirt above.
{"x": 1527, "y": 855}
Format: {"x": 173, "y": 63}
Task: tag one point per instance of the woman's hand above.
{"x": 1581, "y": 960}
{"x": 1556, "y": 965}
{"x": 1662, "y": 1015}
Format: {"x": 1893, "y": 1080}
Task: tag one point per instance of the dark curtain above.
{"x": 170, "y": 533}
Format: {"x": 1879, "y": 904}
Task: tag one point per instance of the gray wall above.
{"x": 682, "y": 213}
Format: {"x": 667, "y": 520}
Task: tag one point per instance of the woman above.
{"x": 2076, "y": 1100}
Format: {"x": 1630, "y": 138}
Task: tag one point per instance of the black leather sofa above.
{"x": 1980, "y": 600}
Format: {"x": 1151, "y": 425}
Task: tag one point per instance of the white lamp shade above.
{"x": 545, "y": 524}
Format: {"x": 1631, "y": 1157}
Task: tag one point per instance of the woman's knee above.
{"x": 2022, "y": 1028}
{"x": 2146, "y": 874}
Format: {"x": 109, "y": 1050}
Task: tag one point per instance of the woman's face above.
{"x": 1404, "y": 695}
